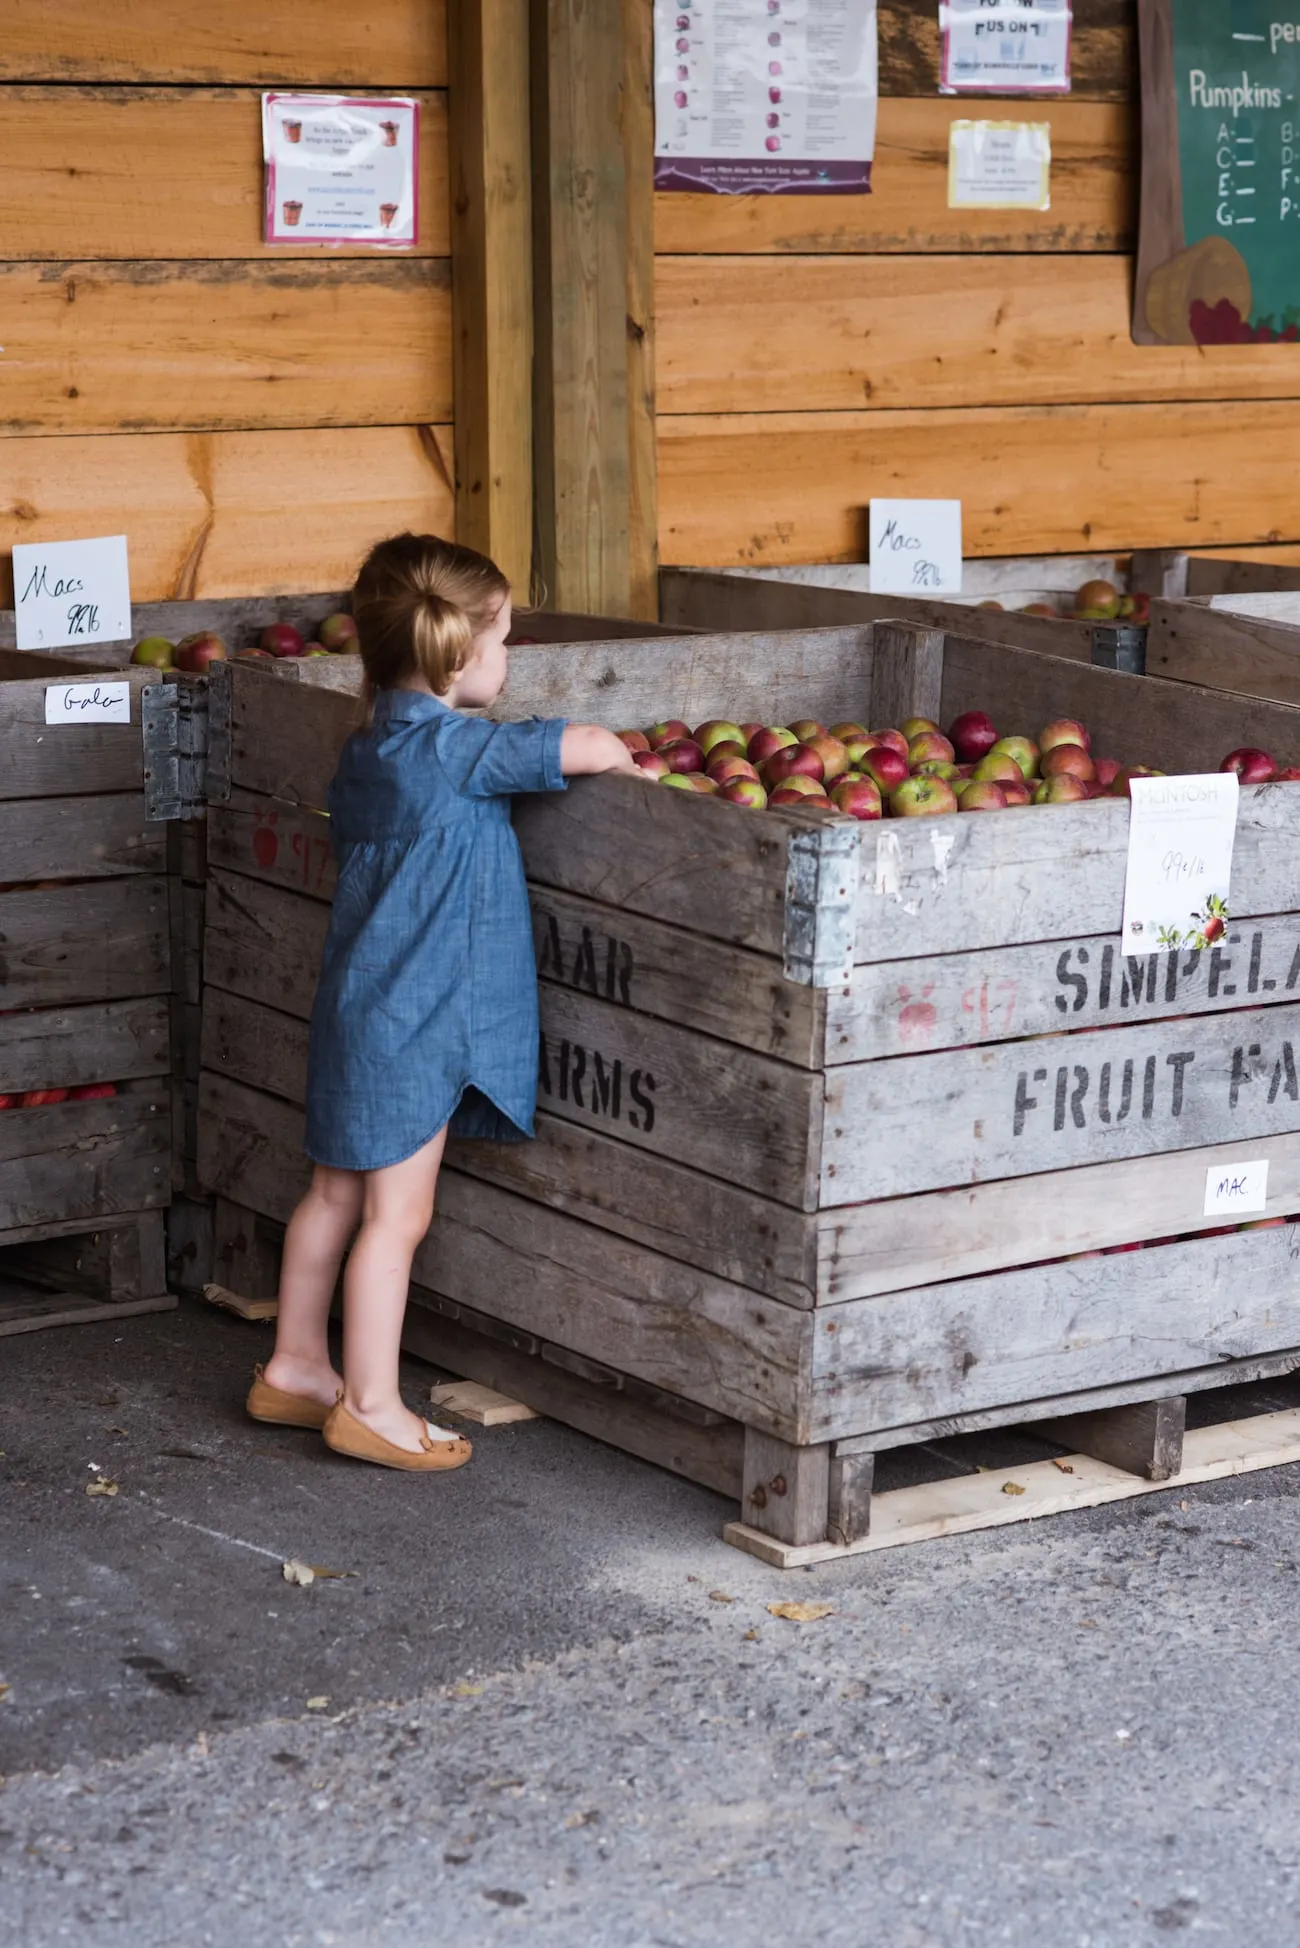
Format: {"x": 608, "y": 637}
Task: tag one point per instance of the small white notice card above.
{"x": 1005, "y": 47}
{"x": 915, "y": 547}
{"x": 1179, "y": 861}
{"x": 1236, "y": 1189}
{"x": 68, "y": 592}
{"x": 88, "y": 703}
{"x": 999, "y": 166}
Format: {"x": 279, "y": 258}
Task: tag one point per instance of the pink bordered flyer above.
{"x": 341, "y": 169}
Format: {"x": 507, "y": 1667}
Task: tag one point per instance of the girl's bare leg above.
{"x": 397, "y": 1211}
{"x": 314, "y": 1244}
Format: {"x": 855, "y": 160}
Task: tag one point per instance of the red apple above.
{"x": 9, "y": 1102}
{"x": 1063, "y": 730}
{"x": 859, "y": 797}
{"x": 1252, "y": 766}
{"x": 194, "y": 653}
{"x": 997, "y": 768}
{"x": 982, "y": 797}
{"x": 857, "y": 747}
{"x": 765, "y": 743}
{"x": 1067, "y": 760}
{"x": 719, "y": 730}
{"x": 1119, "y": 787}
{"x": 936, "y": 768}
{"x": 154, "y": 653}
{"x": 1043, "y": 609}
{"x": 965, "y": 770}
{"x": 651, "y": 763}
{"x": 833, "y": 754}
{"x": 253, "y": 656}
{"x": 90, "y": 1092}
{"x": 1107, "y": 770}
{"x": 807, "y": 727}
{"x": 1022, "y": 749}
{"x": 798, "y": 761}
{"x": 989, "y": 603}
{"x": 723, "y": 770}
{"x": 798, "y": 787}
{"x": 971, "y": 735}
{"x": 750, "y": 730}
{"x": 667, "y": 733}
{"x": 885, "y": 768}
{"x": 845, "y": 731}
{"x": 922, "y": 798}
{"x": 39, "y": 1098}
{"x": 929, "y": 744}
{"x": 683, "y": 754}
{"x": 634, "y": 739}
{"x": 1061, "y": 790}
{"x": 689, "y": 781}
{"x": 338, "y": 633}
{"x": 728, "y": 748}
{"x": 1289, "y": 776}
{"x": 744, "y": 791}
{"x": 892, "y": 739}
{"x": 282, "y": 639}
{"x": 1015, "y": 793}
{"x": 1097, "y": 600}
{"x": 1135, "y": 608}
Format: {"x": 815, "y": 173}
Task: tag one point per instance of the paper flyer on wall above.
{"x": 1005, "y": 47}
{"x": 341, "y": 169}
{"x": 757, "y": 96}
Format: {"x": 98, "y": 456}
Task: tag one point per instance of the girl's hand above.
{"x": 585, "y": 748}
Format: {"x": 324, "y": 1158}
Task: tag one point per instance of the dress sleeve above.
{"x": 486, "y": 760}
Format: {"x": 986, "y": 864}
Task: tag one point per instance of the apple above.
{"x": 1135, "y": 608}
{"x": 9, "y": 1102}
{"x": 1252, "y": 766}
{"x": 39, "y": 1098}
{"x": 1119, "y": 788}
{"x": 1022, "y": 749}
{"x": 989, "y": 603}
{"x": 154, "y": 653}
{"x": 315, "y": 649}
{"x": 194, "y": 653}
{"x": 723, "y": 770}
{"x": 893, "y": 740}
{"x": 982, "y": 797}
{"x": 683, "y": 754}
{"x": 798, "y": 761}
{"x": 667, "y": 733}
{"x": 744, "y": 791}
{"x": 799, "y": 786}
{"x": 1067, "y": 759}
{"x": 997, "y": 768}
{"x": 807, "y": 728}
{"x": 964, "y": 770}
{"x": 1107, "y": 770}
{"x": 634, "y": 739}
{"x": 859, "y": 798}
{"x": 912, "y": 727}
{"x": 929, "y": 744}
{"x": 1015, "y": 792}
{"x": 857, "y": 747}
{"x": 281, "y": 638}
{"x": 971, "y": 735}
{"x": 1063, "y": 730}
{"x": 1098, "y": 600}
{"x": 1289, "y": 776}
{"x": 1043, "y": 609}
{"x": 845, "y": 731}
{"x": 689, "y": 781}
{"x": 936, "y": 768}
{"x": 833, "y": 754}
{"x": 719, "y": 731}
{"x": 90, "y": 1092}
{"x": 750, "y": 730}
{"x": 254, "y": 656}
{"x": 885, "y": 768}
{"x": 653, "y": 765}
{"x": 922, "y": 798}
{"x": 1061, "y": 790}
{"x": 805, "y": 802}
{"x": 766, "y": 743}
{"x": 338, "y": 633}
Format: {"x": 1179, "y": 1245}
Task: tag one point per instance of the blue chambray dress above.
{"x": 426, "y": 1010}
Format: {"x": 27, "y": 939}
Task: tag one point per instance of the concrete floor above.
{"x": 530, "y": 1714}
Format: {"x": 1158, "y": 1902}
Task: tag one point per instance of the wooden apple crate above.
{"x": 827, "y": 1112}
{"x": 85, "y": 974}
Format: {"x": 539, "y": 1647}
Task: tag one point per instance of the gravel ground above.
{"x": 551, "y": 1703}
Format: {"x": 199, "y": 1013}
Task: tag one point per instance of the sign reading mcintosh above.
{"x": 1219, "y": 245}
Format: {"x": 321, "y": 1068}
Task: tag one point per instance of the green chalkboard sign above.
{"x": 1219, "y": 245}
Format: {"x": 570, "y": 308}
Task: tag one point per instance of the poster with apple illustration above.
{"x": 341, "y": 169}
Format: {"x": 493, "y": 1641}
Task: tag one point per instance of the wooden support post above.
{"x": 1145, "y": 1439}
{"x": 492, "y": 280}
{"x": 593, "y": 270}
{"x": 848, "y": 1512}
{"x": 246, "y": 1258}
{"x": 906, "y": 673}
{"x": 786, "y": 1490}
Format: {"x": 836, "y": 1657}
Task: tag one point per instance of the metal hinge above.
{"x": 1122, "y": 646}
{"x": 175, "y": 721}
{"x": 823, "y": 866}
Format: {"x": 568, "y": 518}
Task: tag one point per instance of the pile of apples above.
{"x": 1096, "y": 601}
{"x": 915, "y": 771}
{"x": 336, "y": 636}
{"x": 88, "y": 1092}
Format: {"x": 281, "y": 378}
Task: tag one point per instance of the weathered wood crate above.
{"x": 832, "y": 1117}
{"x": 85, "y": 978}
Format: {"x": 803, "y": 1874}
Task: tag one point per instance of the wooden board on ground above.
{"x": 255, "y": 1310}
{"x": 32, "y": 1311}
{"x": 467, "y": 1400}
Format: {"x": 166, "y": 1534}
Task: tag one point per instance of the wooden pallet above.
{"x": 92, "y": 1269}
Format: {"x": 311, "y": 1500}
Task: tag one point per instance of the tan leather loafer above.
{"x": 282, "y": 1409}
{"x": 439, "y": 1450}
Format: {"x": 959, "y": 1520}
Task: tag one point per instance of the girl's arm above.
{"x": 585, "y": 748}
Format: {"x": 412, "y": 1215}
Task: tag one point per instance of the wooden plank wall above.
{"x": 253, "y": 418}
{"x": 813, "y": 351}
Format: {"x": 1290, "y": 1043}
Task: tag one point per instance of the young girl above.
{"x": 425, "y": 1021}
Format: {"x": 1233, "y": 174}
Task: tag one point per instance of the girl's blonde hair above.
{"x": 418, "y": 603}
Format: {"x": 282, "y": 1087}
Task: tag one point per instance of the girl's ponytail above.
{"x": 418, "y": 604}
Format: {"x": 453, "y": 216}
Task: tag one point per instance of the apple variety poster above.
{"x": 341, "y": 169}
{"x": 1005, "y": 47}
{"x": 765, "y": 95}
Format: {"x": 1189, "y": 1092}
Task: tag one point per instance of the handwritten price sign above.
{"x": 71, "y": 592}
{"x": 1236, "y": 1190}
{"x": 915, "y": 547}
{"x": 1179, "y": 868}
